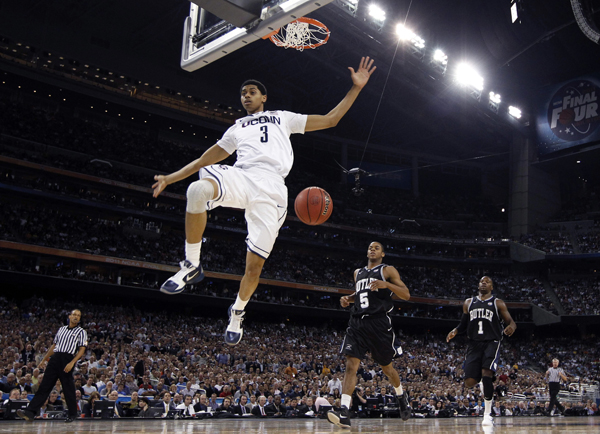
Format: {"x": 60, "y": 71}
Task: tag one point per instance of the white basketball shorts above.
{"x": 261, "y": 194}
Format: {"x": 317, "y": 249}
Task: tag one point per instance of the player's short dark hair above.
{"x": 261, "y": 87}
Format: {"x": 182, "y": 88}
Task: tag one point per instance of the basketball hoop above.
{"x": 301, "y": 34}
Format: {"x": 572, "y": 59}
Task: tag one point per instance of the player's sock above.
{"x": 488, "y": 393}
{"x": 239, "y": 303}
{"x": 346, "y": 400}
{"x": 192, "y": 253}
{"x": 399, "y": 390}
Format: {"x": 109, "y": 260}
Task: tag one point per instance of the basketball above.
{"x": 313, "y": 206}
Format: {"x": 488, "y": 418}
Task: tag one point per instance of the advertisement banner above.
{"x": 568, "y": 114}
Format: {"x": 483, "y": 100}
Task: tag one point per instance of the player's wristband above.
{"x": 464, "y": 322}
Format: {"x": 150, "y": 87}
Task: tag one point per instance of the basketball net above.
{"x": 301, "y": 34}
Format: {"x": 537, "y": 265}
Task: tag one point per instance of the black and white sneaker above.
{"x": 187, "y": 275}
{"x": 234, "y": 332}
{"x": 405, "y": 410}
{"x": 340, "y": 418}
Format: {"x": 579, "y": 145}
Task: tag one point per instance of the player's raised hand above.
{"x": 509, "y": 330}
{"x": 361, "y": 76}
{"x": 159, "y": 185}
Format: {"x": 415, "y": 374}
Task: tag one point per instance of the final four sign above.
{"x": 569, "y": 115}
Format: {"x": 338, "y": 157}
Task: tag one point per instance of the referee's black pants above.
{"x": 554, "y": 387}
{"x": 56, "y": 371}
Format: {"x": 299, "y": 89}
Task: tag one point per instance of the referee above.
{"x": 68, "y": 347}
{"x": 554, "y": 375}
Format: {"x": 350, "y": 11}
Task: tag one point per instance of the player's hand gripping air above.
{"x": 360, "y": 77}
{"x": 159, "y": 185}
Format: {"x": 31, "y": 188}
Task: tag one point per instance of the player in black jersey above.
{"x": 482, "y": 320}
{"x": 370, "y": 329}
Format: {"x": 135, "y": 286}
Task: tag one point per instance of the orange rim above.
{"x": 307, "y": 20}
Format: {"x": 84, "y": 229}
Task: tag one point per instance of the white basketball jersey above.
{"x": 262, "y": 140}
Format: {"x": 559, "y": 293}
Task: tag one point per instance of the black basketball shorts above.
{"x": 481, "y": 355}
{"x": 373, "y": 334}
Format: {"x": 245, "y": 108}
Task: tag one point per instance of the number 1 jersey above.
{"x": 484, "y": 322}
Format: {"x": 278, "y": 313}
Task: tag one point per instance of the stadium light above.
{"x": 376, "y": 13}
{"x": 469, "y": 78}
{"x": 494, "y": 103}
{"x": 440, "y": 57}
{"x": 416, "y": 43}
{"x": 514, "y": 112}
{"x": 466, "y": 75}
{"x": 439, "y": 61}
{"x": 348, "y": 6}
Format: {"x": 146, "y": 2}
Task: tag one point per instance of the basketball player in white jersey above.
{"x": 254, "y": 183}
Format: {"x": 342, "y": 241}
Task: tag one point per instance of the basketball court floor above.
{"x": 522, "y": 425}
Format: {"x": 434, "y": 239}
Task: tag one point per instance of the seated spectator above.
{"x": 9, "y": 384}
{"x": 14, "y": 395}
{"x": 135, "y": 399}
{"x": 202, "y": 404}
{"x": 114, "y": 396}
{"x": 188, "y": 391}
{"x": 122, "y": 390}
{"x": 225, "y": 410}
{"x": 146, "y": 388}
{"x": 165, "y": 404}
{"x": 463, "y": 408}
{"x": 88, "y": 408}
{"x": 107, "y": 389}
{"x": 80, "y": 401}
{"x": 54, "y": 402}
{"x": 292, "y": 409}
{"x": 241, "y": 408}
{"x": 145, "y": 409}
{"x": 213, "y": 402}
{"x": 187, "y": 407}
{"x": 260, "y": 410}
{"x": 89, "y": 387}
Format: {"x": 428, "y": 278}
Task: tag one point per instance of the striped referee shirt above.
{"x": 68, "y": 340}
{"x": 554, "y": 374}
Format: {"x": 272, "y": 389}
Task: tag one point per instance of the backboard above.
{"x": 206, "y": 38}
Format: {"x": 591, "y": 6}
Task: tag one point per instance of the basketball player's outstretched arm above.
{"x": 360, "y": 78}
{"x": 347, "y": 299}
{"x": 212, "y": 155}
{"x": 392, "y": 282}
{"x": 463, "y": 321}
{"x": 503, "y": 311}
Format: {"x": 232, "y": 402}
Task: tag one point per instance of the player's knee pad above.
{"x": 198, "y": 193}
{"x": 488, "y": 387}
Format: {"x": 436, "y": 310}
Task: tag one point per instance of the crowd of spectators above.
{"x": 554, "y": 243}
{"x": 578, "y": 296}
{"x": 134, "y": 355}
{"x": 589, "y": 242}
{"x": 98, "y": 141}
{"x": 36, "y": 224}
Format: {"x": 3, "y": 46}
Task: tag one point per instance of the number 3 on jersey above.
{"x": 265, "y": 136}
{"x": 364, "y": 300}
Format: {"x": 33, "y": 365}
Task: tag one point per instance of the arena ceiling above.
{"x": 420, "y": 111}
